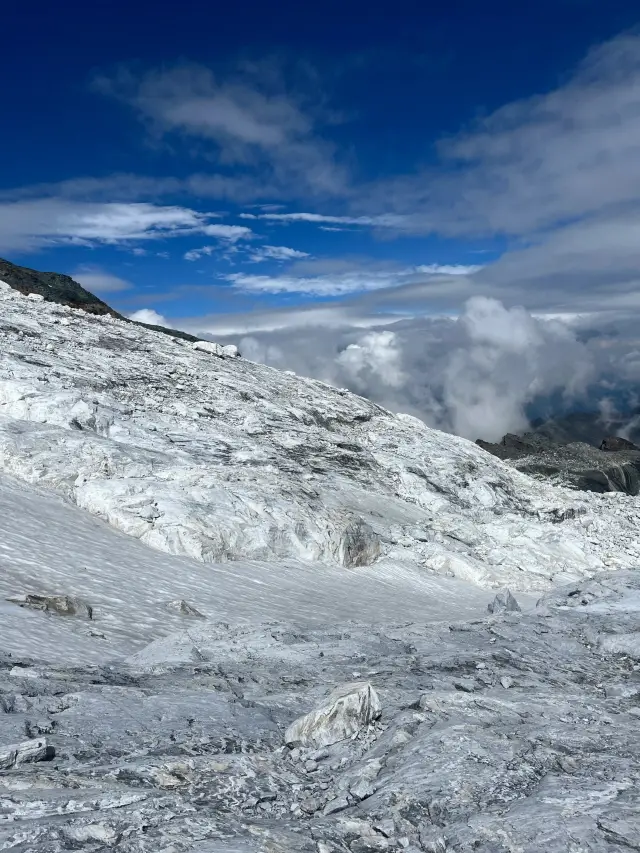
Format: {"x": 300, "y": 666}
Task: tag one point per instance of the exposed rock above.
{"x": 63, "y": 605}
{"x": 576, "y": 464}
{"x": 53, "y": 287}
{"x": 360, "y": 545}
{"x": 348, "y": 710}
{"x": 337, "y": 804}
{"x": 64, "y": 290}
{"x": 25, "y": 752}
{"x": 503, "y": 602}
{"x": 614, "y": 444}
{"x": 182, "y": 608}
{"x": 155, "y": 758}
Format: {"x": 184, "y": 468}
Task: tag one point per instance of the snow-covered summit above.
{"x": 218, "y": 458}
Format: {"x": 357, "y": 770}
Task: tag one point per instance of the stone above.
{"x": 26, "y": 752}
{"x": 504, "y": 602}
{"x": 359, "y": 545}
{"x": 183, "y": 608}
{"x": 338, "y": 804}
{"x": 348, "y": 710}
{"x": 63, "y": 605}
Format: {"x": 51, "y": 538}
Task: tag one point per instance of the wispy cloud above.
{"x": 276, "y": 253}
{"x": 342, "y": 282}
{"x": 538, "y": 162}
{"x": 28, "y": 225}
{"x": 249, "y": 119}
{"x": 382, "y": 220}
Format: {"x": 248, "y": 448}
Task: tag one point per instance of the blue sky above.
{"x": 281, "y": 164}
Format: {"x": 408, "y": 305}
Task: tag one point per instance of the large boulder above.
{"x": 348, "y": 710}
{"x": 63, "y": 605}
{"x": 25, "y": 752}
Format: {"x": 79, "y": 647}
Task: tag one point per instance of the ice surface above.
{"x": 49, "y": 546}
{"x": 221, "y": 459}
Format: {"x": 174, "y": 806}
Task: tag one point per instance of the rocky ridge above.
{"x": 613, "y": 466}
{"x": 64, "y": 290}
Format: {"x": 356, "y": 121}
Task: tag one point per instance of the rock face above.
{"x": 348, "y": 710}
{"x": 156, "y": 755}
{"x": 183, "y": 608}
{"x": 221, "y": 459}
{"x": 614, "y": 444}
{"x": 613, "y": 467}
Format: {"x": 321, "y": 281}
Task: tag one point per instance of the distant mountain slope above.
{"x": 54, "y": 287}
{"x": 64, "y": 290}
{"x": 579, "y": 451}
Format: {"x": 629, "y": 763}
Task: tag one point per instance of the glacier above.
{"x": 242, "y": 611}
{"x": 222, "y": 459}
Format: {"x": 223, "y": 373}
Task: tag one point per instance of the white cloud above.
{"x": 276, "y": 253}
{"x": 343, "y": 282}
{"x": 449, "y": 269}
{"x": 149, "y": 316}
{"x": 98, "y": 281}
{"x": 41, "y": 222}
{"x": 228, "y": 233}
{"x": 249, "y": 119}
{"x": 376, "y": 358}
{"x": 538, "y": 162}
{"x": 383, "y": 220}
{"x": 196, "y": 254}
{"x": 480, "y": 374}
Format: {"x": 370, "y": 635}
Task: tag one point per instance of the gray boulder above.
{"x": 348, "y": 710}
{"x": 504, "y": 602}
{"x": 63, "y": 605}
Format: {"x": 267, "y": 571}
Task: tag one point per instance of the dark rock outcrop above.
{"x": 64, "y": 290}
{"x": 614, "y": 444}
{"x": 53, "y": 287}
{"x": 614, "y": 466}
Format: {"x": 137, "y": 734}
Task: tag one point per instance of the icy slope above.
{"x": 223, "y": 459}
{"x": 50, "y": 547}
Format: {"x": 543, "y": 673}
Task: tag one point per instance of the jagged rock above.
{"x": 504, "y": 602}
{"x": 63, "y": 605}
{"x": 183, "y": 608}
{"x": 348, "y": 710}
{"x": 26, "y": 752}
{"x": 359, "y": 546}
